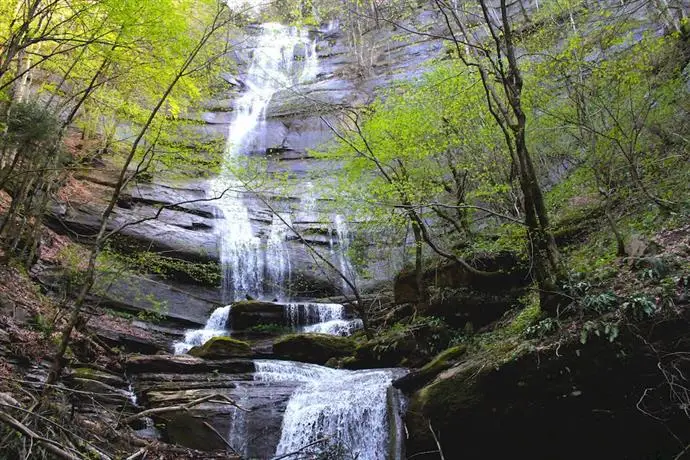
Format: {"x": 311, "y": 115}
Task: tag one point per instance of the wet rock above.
{"x": 221, "y": 348}
{"x": 185, "y": 364}
{"x": 249, "y": 313}
{"x": 313, "y": 348}
{"x": 408, "y": 345}
{"x": 444, "y": 360}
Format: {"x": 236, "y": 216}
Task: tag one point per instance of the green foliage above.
{"x": 32, "y": 124}
{"x": 43, "y": 325}
{"x": 640, "y": 307}
{"x": 542, "y": 329}
{"x": 605, "y": 329}
{"x": 207, "y": 274}
{"x": 409, "y": 342}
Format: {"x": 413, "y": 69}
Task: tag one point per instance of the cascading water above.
{"x": 243, "y": 255}
{"x": 216, "y": 326}
{"x": 324, "y": 318}
{"x": 339, "y": 247}
{"x": 278, "y": 256}
{"x": 348, "y": 414}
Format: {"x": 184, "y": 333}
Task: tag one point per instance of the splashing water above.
{"x": 216, "y": 326}
{"x": 300, "y": 314}
{"x": 323, "y": 318}
{"x": 341, "y": 327}
{"x": 348, "y": 408}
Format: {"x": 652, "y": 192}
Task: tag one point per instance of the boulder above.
{"x": 410, "y": 344}
{"x": 250, "y": 313}
{"x": 460, "y": 297}
{"x": 313, "y": 348}
{"x": 534, "y": 402}
{"x": 221, "y": 348}
{"x": 444, "y": 360}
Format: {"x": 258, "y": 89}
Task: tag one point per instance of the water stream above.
{"x": 347, "y": 414}
{"x": 350, "y": 414}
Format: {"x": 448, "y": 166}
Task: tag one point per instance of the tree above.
{"x": 496, "y": 61}
{"x": 189, "y": 63}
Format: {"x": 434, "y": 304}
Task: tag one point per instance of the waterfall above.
{"x": 347, "y": 414}
{"x": 312, "y": 313}
{"x": 350, "y": 410}
{"x": 278, "y": 256}
{"x": 324, "y": 318}
{"x": 244, "y": 256}
{"x": 339, "y": 247}
{"x": 216, "y": 326}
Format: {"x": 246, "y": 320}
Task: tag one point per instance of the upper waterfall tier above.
{"x": 254, "y": 266}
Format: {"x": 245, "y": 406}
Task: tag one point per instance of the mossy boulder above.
{"x": 313, "y": 348}
{"x": 440, "y": 363}
{"x": 221, "y": 348}
{"x": 406, "y": 344}
{"x": 252, "y": 313}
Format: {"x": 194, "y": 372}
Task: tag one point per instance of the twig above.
{"x": 438, "y": 443}
{"x": 682, "y": 453}
{"x": 182, "y": 407}
{"x": 49, "y": 444}
{"x": 300, "y": 449}
{"x": 225, "y": 441}
{"x": 138, "y": 453}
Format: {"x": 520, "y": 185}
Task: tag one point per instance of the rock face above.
{"x": 184, "y": 364}
{"x": 253, "y": 431}
{"x": 536, "y": 403}
{"x": 221, "y": 348}
{"x": 459, "y": 297}
{"x": 312, "y": 348}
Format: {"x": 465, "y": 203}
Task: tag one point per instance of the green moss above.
{"x": 448, "y": 395}
{"x": 83, "y": 373}
{"x": 221, "y": 347}
{"x": 443, "y": 360}
{"x": 313, "y": 348}
{"x": 528, "y": 316}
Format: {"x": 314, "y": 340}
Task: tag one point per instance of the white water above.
{"x": 278, "y": 256}
{"x": 244, "y": 256}
{"x": 349, "y": 408}
{"x": 342, "y": 327}
{"x": 324, "y": 318}
{"x": 216, "y": 326}
{"x": 339, "y": 247}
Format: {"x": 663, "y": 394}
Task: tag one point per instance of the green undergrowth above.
{"x": 170, "y": 268}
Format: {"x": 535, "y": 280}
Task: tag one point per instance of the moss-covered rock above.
{"x": 252, "y": 313}
{"x": 221, "y": 348}
{"x": 440, "y": 363}
{"x": 405, "y": 344}
{"x": 460, "y": 297}
{"x": 313, "y": 348}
